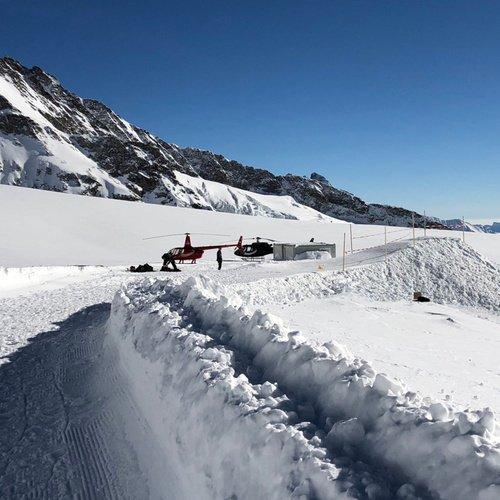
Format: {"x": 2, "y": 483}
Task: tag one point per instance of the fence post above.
{"x": 385, "y": 243}
{"x": 343, "y": 256}
{"x": 350, "y": 231}
{"x": 463, "y": 229}
{"x": 413, "y": 225}
{"x": 425, "y": 225}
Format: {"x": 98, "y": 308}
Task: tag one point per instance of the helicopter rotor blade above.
{"x": 163, "y": 236}
{"x": 259, "y": 238}
{"x": 184, "y": 234}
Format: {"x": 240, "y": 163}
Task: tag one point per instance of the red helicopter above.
{"x": 190, "y": 252}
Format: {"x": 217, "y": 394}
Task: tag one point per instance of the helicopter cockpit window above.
{"x": 248, "y": 248}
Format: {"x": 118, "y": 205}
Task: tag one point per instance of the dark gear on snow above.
{"x": 141, "y": 268}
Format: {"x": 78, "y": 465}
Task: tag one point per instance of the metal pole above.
{"x": 350, "y": 231}
{"x": 343, "y": 256}
{"x": 425, "y": 225}
{"x": 463, "y": 229}
{"x": 385, "y": 242}
{"x": 413, "y": 224}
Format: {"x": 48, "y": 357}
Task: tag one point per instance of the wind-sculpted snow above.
{"x": 202, "y": 359}
{"x": 445, "y": 270}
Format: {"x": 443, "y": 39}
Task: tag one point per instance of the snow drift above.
{"x": 193, "y": 338}
{"x": 446, "y": 270}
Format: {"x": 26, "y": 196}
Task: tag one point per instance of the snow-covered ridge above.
{"x": 41, "y": 155}
{"x": 54, "y": 140}
{"x": 444, "y": 269}
{"x": 186, "y": 333}
{"x": 475, "y": 227}
{"x": 195, "y": 191}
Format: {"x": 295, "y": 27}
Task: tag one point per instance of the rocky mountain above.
{"x": 52, "y": 139}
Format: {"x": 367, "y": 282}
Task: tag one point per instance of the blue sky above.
{"x": 395, "y": 101}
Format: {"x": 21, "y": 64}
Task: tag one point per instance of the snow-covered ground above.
{"x": 439, "y": 350}
{"x": 98, "y": 231}
{"x": 263, "y": 380}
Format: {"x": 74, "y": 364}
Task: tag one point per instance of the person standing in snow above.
{"x": 219, "y": 258}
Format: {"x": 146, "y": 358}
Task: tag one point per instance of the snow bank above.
{"x": 240, "y": 440}
{"x": 446, "y": 270}
{"x": 228, "y": 436}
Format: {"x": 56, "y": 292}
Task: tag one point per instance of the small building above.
{"x": 288, "y": 251}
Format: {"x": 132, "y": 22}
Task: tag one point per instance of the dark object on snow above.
{"x": 219, "y": 258}
{"x": 170, "y": 269}
{"x": 418, "y": 297}
{"x": 423, "y": 299}
{"x": 141, "y": 268}
{"x": 168, "y": 260}
{"x": 311, "y": 240}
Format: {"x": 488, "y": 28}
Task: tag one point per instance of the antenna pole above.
{"x": 343, "y": 256}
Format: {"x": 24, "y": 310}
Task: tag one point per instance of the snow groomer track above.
{"x": 68, "y": 420}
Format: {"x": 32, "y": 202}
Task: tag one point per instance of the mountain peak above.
{"x": 320, "y": 178}
{"x": 58, "y": 141}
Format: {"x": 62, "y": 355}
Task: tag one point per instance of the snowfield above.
{"x": 110, "y": 232}
{"x": 264, "y": 380}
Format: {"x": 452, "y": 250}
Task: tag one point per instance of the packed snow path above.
{"x": 70, "y": 426}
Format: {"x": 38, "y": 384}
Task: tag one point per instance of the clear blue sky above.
{"x": 396, "y": 101}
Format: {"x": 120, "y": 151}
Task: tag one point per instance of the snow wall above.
{"x": 212, "y": 379}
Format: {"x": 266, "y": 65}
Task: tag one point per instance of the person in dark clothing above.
{"x": 219, "y": 258}
{"x": 168, "y": 259}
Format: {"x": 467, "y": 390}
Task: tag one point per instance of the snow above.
{"x": 21, "y": 279}
{"x": 28, "y": 104}
{"x": 53, "y": 153}
{"x": 313, "y": 255}
{"x": 356, "y": 412}
{"x": 224, "y": 198}
{"x": 445, "y": 270}
{"x": 440, "y": 350}
{"x": 44, "y": 228}
{"x": 262, "y": 380}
